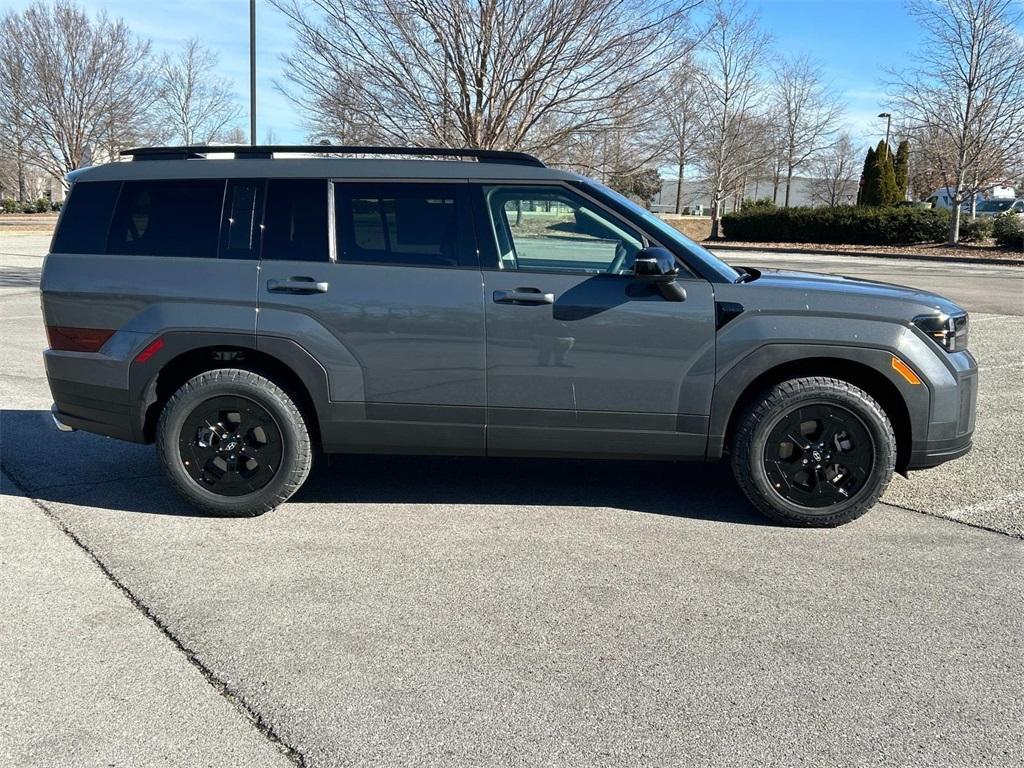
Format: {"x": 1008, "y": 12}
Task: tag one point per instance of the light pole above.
{"x": 252, "y": 72}
{"x": 888, "y": 123}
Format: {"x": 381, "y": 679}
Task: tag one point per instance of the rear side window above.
{"x": 423, "y": 225}
{"x": 86, "y": 218}
{"x": 167, "y": 218}
{"x": 295, "y": 224}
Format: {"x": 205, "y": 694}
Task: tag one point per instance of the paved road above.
{"x": 464, "y": 612}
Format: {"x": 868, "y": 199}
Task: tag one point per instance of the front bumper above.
{"x": 951, "y": 423}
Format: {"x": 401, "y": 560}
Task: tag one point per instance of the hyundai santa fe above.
{"x": 247, "y": 308}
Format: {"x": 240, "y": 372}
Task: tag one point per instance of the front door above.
{"x": 581, "y": 358}
{"x": 393, "y": 311}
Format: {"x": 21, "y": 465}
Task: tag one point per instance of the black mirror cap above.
{"x": 655, "y": 265}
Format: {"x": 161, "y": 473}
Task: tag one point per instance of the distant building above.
{"x": 697, "y": 195}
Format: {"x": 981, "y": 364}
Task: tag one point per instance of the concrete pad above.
{"x": 87, "y": 678}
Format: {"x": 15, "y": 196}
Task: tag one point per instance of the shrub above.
{"x": 975, "y": 230}
{"x": 858, "y": 225}
{"x": 11, "y": 205}
{"x": 42, "y": 205}
{"x": 762, "y": 204}
{"x": 1008, "y": 230}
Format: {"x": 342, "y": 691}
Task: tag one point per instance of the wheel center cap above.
{"x": 230, "y": 446}
{"x": 816, "y": 455}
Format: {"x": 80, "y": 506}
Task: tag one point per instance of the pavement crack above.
{"x": 236, "y": 699}
{"x": 940, "y": 516}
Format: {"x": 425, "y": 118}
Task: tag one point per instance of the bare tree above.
{"x": 493, "y": 73}
{"x": 808, "y": 112}
{"x": 13, "y": 127}
{"x": 732, "y": 141}
{"x": 836, "y": 172}
{"x": 85, "y": 87}
{"x": 681, "y": 99}
{"x": 194, "y": 105}
{"x": 969, "y": 111}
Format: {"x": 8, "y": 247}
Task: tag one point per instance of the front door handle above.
{"x": 300, "y": 285}
{"x": 524, "y": 296}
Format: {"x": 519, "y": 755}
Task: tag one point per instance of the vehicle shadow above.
{"x": 90, "y": 471}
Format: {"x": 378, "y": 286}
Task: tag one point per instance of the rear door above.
{"x": 381, "y": 283}
{"x": 581, "y": 358}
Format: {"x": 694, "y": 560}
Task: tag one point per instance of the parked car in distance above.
{"x": 992, "y": 208}
{"x": 245, "y": 313}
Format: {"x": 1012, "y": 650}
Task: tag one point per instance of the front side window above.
{"x": 552, "y": 229}
{"x": 421, "y": 225}
{"x": 167, "y": 218}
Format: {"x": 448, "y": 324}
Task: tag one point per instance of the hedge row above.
{"x": 857, "y": 225}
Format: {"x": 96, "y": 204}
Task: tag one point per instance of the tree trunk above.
{"x": 954, "y": 222}
{"x": 716, "y": 215}
{"x": 789, "y": 183}
{"x": 679, "y": 190}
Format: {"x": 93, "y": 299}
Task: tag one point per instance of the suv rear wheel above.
{"x": 814, "y": 451}
{"x": 233, "y": 443}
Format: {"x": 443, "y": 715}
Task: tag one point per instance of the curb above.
{"x": 869, "y": 254}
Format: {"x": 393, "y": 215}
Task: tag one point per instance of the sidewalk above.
{"x": 1011, "y": 259}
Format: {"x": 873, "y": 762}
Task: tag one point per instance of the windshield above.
{"x": 995, "y": 206}
{"x": 666, "y": 232}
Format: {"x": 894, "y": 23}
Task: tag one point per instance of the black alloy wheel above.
{"x": 815, "y": 451}
{"x": 230, "y": 445}
{"x": 233, "y": 442}
{"x": 819, "y": 455}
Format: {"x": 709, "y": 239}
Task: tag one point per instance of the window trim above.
{"x": 685, "y": 272}
{"x": 463, "y": 199}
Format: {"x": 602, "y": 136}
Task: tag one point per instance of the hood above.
{"x": 835, "y": 294}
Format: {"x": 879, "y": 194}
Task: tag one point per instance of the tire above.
{"x": 814, "y": 452}
{"x": 233, "y": 443}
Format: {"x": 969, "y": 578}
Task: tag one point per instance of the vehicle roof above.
{"x": 316, "y": 167}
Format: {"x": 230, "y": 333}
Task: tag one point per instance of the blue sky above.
{"x": 853, "y": 39}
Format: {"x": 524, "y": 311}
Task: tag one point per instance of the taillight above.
{"x": 69, "y": 339}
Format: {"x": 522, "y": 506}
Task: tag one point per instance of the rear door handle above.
{"x": 300, "y": 285}
{"x": 524, "y": 296}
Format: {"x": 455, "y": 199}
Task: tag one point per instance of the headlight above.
{"x": 949, "y": 331}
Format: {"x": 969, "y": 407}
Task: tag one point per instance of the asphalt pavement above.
{"x": 405, "y": 611}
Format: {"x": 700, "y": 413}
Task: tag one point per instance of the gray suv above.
{"x": 244, "y": 313}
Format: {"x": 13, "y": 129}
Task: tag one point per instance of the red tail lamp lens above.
{"x": 151, "y": 349}
{"x": 69, "y": 339}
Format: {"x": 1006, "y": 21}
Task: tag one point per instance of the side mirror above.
{"x": 659, "y": 267}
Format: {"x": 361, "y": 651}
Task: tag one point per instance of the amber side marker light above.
{"x": 905, "y": 371}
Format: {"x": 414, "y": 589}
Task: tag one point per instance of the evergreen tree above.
{"x": 889, "y": 192}
{"x": 865, "y": 178}
{"x": 902, "y": 170}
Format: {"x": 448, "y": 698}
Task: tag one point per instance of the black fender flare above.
{"x": 734, "y": 383}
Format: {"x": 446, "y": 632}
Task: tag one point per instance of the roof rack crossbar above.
{"x": 269, "y": 150}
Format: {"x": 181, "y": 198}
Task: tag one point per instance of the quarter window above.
{"x": 86, "y": 217}
{"x": 551, "y": 229}
{"x": 167, "y": 218}
{"x": 406, "y": 224}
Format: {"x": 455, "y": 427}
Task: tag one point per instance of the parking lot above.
{"x": 407, "y": 611}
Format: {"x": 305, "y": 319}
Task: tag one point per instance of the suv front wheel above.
{"x": 233, "y": 443}
{"x": 814, "y": 451}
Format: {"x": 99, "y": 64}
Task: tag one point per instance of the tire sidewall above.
{"x": 195, "y": 392}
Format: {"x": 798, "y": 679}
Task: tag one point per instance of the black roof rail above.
{"x": 269, "y": 150}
